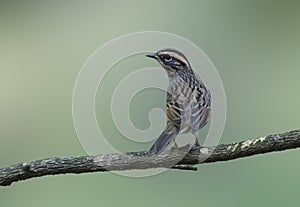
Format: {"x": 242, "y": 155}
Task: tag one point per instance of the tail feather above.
{"x": 163, "y": 141}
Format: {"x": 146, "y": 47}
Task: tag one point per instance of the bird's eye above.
{"x": 168, "y": 58}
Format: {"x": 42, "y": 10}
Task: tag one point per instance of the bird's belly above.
{"x": 186, "y": 122}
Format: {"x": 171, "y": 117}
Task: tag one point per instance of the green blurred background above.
{"x": 254, "y": 45}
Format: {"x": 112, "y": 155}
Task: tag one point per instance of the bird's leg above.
{"x": 175, "y": 144}
{"x": 197, "y": 143}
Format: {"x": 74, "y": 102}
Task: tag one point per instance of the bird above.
{"x": 188, "y": 101}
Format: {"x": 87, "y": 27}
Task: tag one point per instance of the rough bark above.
{"x": 179, "y": 158}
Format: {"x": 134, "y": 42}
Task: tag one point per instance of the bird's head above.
{"x": 172, "y": 60}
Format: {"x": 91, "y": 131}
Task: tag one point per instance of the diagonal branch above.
{"x": 178, "y": 158}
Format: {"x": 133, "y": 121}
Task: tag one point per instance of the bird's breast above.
{"x": 185, "y": 98}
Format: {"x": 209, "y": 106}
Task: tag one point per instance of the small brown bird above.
{"x": 188, "y": 100}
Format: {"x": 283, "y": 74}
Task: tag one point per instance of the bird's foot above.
{"x": 174, "y": 147}
{"x": 202, "y": 149}
{"x": 196, "y": 147}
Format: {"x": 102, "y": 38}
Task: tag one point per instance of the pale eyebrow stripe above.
{"x": 177, "y": 56}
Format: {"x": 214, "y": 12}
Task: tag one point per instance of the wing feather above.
{"x": 200, "y": 108}
{"x": 174, "y": 111}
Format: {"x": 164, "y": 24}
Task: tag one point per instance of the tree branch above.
{"x": 178, "y": 158}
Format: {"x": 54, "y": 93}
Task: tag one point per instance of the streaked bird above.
{"x": 188, "y": 100}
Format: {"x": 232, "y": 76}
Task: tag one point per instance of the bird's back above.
{"x": 188, "y": 102}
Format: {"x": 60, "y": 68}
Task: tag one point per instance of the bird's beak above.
{"x": 152, "y": 55}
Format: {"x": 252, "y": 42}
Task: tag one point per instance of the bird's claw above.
{"x": 196, "y": 147}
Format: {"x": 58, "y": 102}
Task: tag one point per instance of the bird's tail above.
{"x": 163, "y": 140}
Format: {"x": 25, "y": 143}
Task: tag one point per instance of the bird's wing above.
{"x": 200, "y": 108}
{"x": 174, "y": 111}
